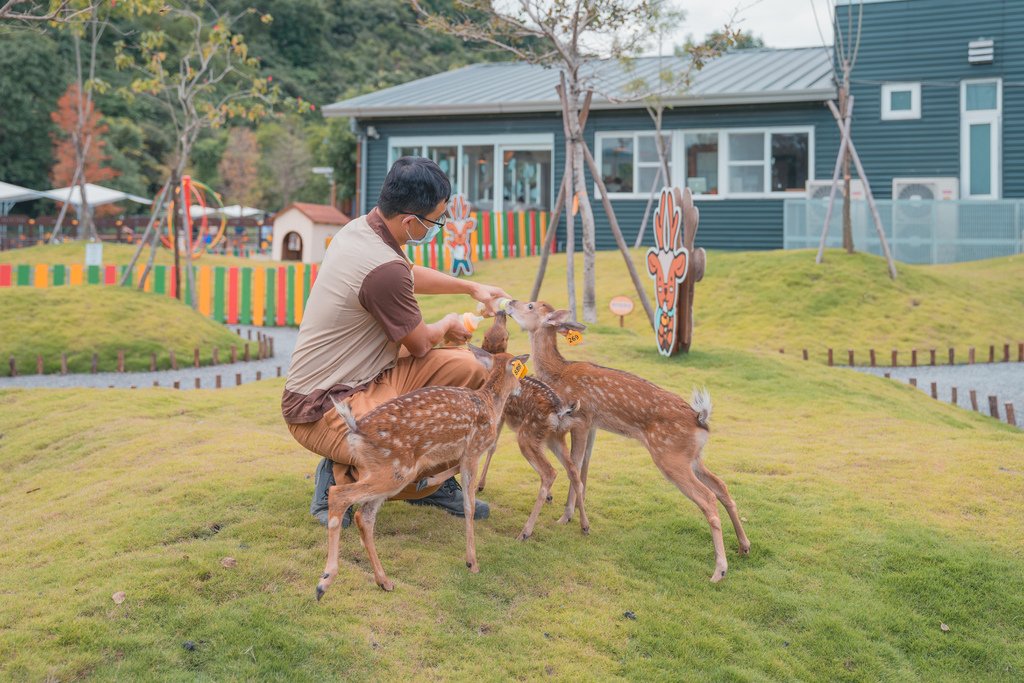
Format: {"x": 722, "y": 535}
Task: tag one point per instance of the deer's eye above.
{"x": 530, "y": 306}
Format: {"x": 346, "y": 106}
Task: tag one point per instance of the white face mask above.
{"x": 432, "y": 231}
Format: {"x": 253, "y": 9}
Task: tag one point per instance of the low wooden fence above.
{"x": 997, "y": 353}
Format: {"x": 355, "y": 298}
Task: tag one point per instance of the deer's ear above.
{"x": 522, "y": 358}
{"x": 652, "y": 262}
{"x": 556, "y": 318}
{"x": 485, "y": 359}
{"x": 570, "y": 325}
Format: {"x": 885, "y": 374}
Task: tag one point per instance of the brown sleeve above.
{"x": 387, "y": 294}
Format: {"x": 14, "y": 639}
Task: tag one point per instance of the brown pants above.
{"x": 455, "y": 367}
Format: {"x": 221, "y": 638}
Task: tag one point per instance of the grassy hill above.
{"x": 876, "y": 515}
{"x": 103, "y": 320}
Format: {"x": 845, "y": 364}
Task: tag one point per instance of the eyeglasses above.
{"x": 441, "y": 223}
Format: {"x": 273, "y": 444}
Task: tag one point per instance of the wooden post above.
{"x": 250, "y": 334}
{"x": 152, "y": 361}
{"x": 782, "y": 351}
{"x": 39, "y": 364}
{"x": 935, "y": 390}
{"x": 156, "y": 383}
{"x": 830, "y": 357}
{"x": 215, "y": 357}
{"x": 952, "y": 356}
{"x": 1020, "y": 352}
{"x": 894, "y": 358}
{"x": 1006, "y": 353}
{"x": 805, "y": 354}
{"x": 932, "y": 352}
{"x": 216, "y": 382}
{"x": 888, "y": 375}
{"x": 993, "y": 406}
{"x": 174, "y": 361}
{"x": 970, "y": 356}
{"x": 974, "y": 400}
{"x": 177, "y": 384}
{"x": 197, "y": 383}
{"x": 234, "y": 354}
{"x": 913, "y": 358}
{"x": 872, "y": 358}
{"x": 259, "y": 375}
{"x": 95, "y": 364}
{"x": 245, "y": 352}
{"x": 278, "y": 370}
{"x": 991, "y": 353}
{"x": 120, "y": 361}
{"x": 271, "y": 347}
{"x": 64, "y": 363}
{"x": 953, "y": 396}
{"x": 14, "y": 367}
{"x": 238, "y": 379}
{"x": 913, "y": 381}
{"x": 195, "y": 357}
{"x": 1011, "y": 417}
{"x": 850, "y": 353}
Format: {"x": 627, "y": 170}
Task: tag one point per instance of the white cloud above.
{"x": 780, "y": 23}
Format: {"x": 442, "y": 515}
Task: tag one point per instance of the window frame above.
{"x": 993, "y": 117}
{"x": 515, "y": 141}
{"x": 678, "y": 164}
{"x": 890, "y": 114}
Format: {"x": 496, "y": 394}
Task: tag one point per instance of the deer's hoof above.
{"x": 474, "y": 568}
{"x": 480, "y": 488}
{"x": 744, "y": 548}
{"x": 386, "y": 585}
{"x": 523, "y": 536}
{"x": 563, "y": 520}
{"x": 549, "y": 498}
{"x": 585, "y": 530}
{"x": 320, "y": 590}
{"x": 718, "y": 575}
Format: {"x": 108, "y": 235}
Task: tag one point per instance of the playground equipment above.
{"x": 197, "y": 242}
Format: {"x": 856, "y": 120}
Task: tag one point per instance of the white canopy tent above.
{"x": 96, "y": 195}
{"x": 237, "y": 211}
{"x": 12, "y": 194}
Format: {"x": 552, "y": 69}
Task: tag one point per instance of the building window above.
{"x": 527, "y": 179}
{"x": 648, "y": 162}
{"x": 981, "y": 105}
{"x": 746, "y": 163}
{"x": 901, "y": 101}
{"x": 629, "y": 162}
{"x": 700, "y": 152}
{"x": 617, "y": 164}
{"x": 790, "y": 158}
{"x": 478, "y": 176}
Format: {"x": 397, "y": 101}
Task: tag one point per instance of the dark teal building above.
{"x": 931, "y": 84}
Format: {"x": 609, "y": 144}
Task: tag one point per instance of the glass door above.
{"x": 981, "y": 139}
{"x": 526, "y": 178}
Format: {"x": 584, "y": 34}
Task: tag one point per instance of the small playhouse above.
{"x": 302, "y": 231}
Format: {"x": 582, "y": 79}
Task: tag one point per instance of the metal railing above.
{"x": 918, "y": 231}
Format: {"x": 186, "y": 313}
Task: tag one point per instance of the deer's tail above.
{"x": 701, "y": 404}
{"x": 354, "y": 435}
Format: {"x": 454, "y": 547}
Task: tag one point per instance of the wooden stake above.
{"x": 234, "y": 354}
{"x": 888, "y": 375}
{"x": 271, "y": 347}
{"x": 216, "y": 382}
{"x": 250, "y": 334}
{"x": 238, "y": 379}
{"x": 935, "y": 390}
{"x": 1011, "y": 417}
{"x": 974, "y": 400}
{"x": 953, "y": 396}
{"x": 95, "y": 363}
{"x": 993, "y": 406}
{"x": 195, "y": 357}
{"x": 932, "y": 353}
{"x": 120, "y": 361}
{"x": 14, "y": 367}
{"x": 894, "y": 358}
{"x": 970, "y": 356}
{"x": 872, "y": 358}
{"x": 952, "y": 356}
{"x": 63, "y": 363}
{"x": 197, "y": 383}
{"x": 259, "y": 375}
{"x": 177, "y": 384}
{"x": 1006, "y": 353}
{"x": 174, "y": 361}
{"x": 830, "y": 357}
{"x": 215, "y": 358}
{"x": 850, "y": 353}
{"x": 991, "y": 353}
{"x": 156, "y": 383}
{"x": 805, "y": 354}
{"x": 39, "y": 364}
{"x": 1020, "y": 352}
{"x": 245, "y": 352}
{"x": 152, "y": 361}
{"x": 913, "y": 381}
{"x": 913, "y": 358}
{"x": 278, "y": 370}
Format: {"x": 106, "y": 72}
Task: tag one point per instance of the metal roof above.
{"x": 739, "y": 77}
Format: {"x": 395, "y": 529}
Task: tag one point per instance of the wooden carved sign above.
{"x": 676, "y": 267}
{"x": 456, "y": 235}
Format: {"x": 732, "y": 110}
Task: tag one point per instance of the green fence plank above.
{"x": 270, "y": 306}
{"x": 59, "y": 275}
{"x": 290, "y": 299}
{"x": 160, "y": 279}
{"x": 24, "y": 275}
{"x": 219, "y": 293}
{"x": 94, "y": 275}
{"x": 245, "y": 310}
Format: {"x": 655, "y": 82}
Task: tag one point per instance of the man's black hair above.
{"x": 413, "y": 185}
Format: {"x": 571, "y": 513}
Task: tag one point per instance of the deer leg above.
{"x": 366, "y": 519}
{"x": 469, "y": 464}
{"x": 582, "y": 447}
{"x": 535, "y": 456}
{"x": 490, "y": 454}
{"x": 720, "y": 490}
{"x": 339, "y": 499}
{"x": 557, "y": 446}
{"x": 437, "y": 479}
{"x": 679, "y": 473}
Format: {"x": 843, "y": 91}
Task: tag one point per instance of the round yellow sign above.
{"x": 621, "y": 305}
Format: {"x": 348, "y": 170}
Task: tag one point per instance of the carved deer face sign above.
{"x": 675, "y": 267}
{"x": 456, "y": 235}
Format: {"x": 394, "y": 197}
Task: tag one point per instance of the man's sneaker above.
{"x": 450, "y": 499}
{"x": 323, "y": 482}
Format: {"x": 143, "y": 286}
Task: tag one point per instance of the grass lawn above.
{"x": 103, "y": 320}
{"x": 115, "y": 254}
{"x": 876, "y": 514}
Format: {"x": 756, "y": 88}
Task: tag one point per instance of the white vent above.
{"x": 981, "y": 51}
{"x": 820, "y": 189}
{"x": 925, "y": 223}
{"x": 926, "y": 188}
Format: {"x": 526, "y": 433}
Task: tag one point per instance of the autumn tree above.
{"x": 239, "y": 168}
{"x": 65, "y": 142}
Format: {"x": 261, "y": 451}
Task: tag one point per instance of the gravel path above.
{"x": 284, "y": 343}
{"x": 1002, "y": 380}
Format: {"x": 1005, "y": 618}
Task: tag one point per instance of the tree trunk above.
{"x": 589, "y": 245}
{"x": 175, "y": 190}
{"x": 570, "y": 235}
{"x": 844, "y": 102}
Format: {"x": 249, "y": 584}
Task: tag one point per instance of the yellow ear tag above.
{"x": 573, "y": 337}
{"x": 519, "y": 369}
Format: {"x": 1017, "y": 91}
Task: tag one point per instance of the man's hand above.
{"x": 455, "y": 332}
{"x": 488, "y": 295}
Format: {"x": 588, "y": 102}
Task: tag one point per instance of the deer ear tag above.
{"x": 573, "y": 337}
{"x": 519, "y": 369}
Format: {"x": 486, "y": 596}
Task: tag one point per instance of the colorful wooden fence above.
{"x": 498, "y": 235}
{"x": 262, "y": 295}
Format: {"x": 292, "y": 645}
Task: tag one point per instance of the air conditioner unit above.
{"x": 817, "y": 206}
{"x": 925, "y": 220}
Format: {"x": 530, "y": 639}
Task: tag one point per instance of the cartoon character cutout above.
{"x": 675, "y": 266}
{"x": 456, "y": 235}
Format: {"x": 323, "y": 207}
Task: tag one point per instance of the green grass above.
{"x": 116, "y": 254}
{"x": 84, "y": 320}
{"x": 875, "y": 513}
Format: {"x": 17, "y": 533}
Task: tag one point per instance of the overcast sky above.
{"x": 781, "y": 23}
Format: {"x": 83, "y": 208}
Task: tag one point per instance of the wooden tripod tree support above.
{"x": 566, "y": 196}
{"x": 846, "y": 146}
